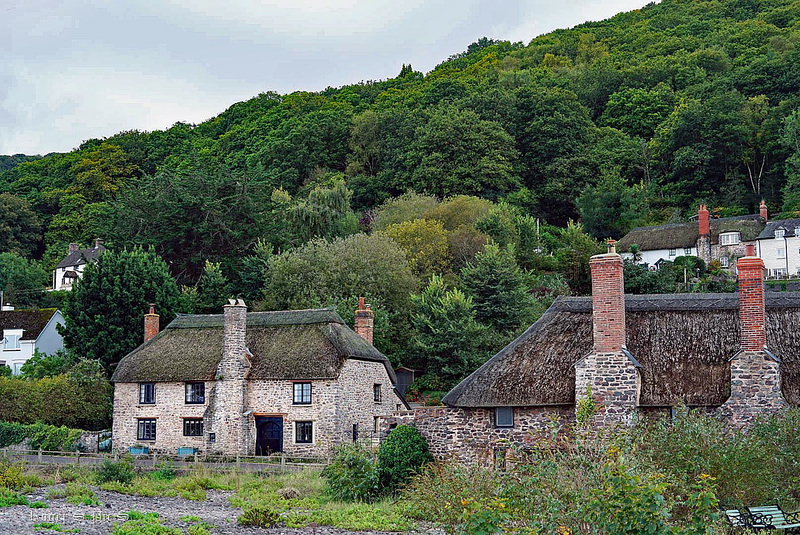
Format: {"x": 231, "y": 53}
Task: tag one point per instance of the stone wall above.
{"x": 169, "y": 410}
{"x": 755, "y": 388}
{"x": 470, "y": 435}
{"x": 614, "y": 382}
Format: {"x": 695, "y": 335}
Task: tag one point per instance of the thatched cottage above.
{"x": 737, "y": 355}
{"x": 253, "y": 383}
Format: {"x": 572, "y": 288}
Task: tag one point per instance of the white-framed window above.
{"x": 780, "y": 233}
{"x": 779, "y": 272}
{"x": 780, "y": 252}
{"x": 672, "y": 252}
{"x": 724, "y": 261}
{"x": 11, "y": 338}
{"x": 687, "y": 251}
{"x": 729, "y": 238}
{"x": 504, "y": 417}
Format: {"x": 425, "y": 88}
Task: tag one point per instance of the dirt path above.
{"x": 99, "y": 520}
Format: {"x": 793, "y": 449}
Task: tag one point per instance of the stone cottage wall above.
{"x": 755, "y": 388}
{"x": 614, "y": 383}
{"x": 169, "y": 410}
{"x": 470, "y": 435}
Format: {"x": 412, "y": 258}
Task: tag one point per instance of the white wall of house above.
{"x": 651, "y": 258}
{"x": 779, "y": 254}
{"x": 50, "y": 340}
{"x": 14, "y": 351}
{"x": 59, "y": 283}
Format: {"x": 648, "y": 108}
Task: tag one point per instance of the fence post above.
{"x": 195, "y": 457}
{"x": 77, "y": 457}
{"x": 283, "y": 462}
{"x": 39, "y": 456}
{"x": 155, "y": 455}
{"x": 237, "y": 460}
{"x": 116, "y": 456}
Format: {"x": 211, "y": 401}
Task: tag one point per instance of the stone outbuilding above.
{"x": 736, "y": 355}
{"x": 240, "y": 383}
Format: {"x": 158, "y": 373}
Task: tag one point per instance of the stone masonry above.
{"x": 755, "y": 372}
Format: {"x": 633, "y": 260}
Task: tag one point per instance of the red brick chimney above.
{"x": 751, "y": 301}
{"x": 72, "y": 248}
{"x": 608, "y": 301}
{"x": 762, "y": 210}
{"x": 704, "y": 225}
{"x": 150, "y": 323}
{"x": 365, "y": 321}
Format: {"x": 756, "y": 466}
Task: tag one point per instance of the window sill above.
{"x": 302, "y": 404}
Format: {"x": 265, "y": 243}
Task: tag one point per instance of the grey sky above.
{"x": 71, "y": 70}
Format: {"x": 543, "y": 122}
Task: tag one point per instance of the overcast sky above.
{"x": 71, "y": 70}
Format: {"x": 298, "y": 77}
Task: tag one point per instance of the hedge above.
{"x": 59, "y": 401}
{"x": 46, "y": 437}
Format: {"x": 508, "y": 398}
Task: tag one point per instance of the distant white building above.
{"x": 72, "y": 266}
{"x": 779, "y": 247}
{"x": 24, "y": 332}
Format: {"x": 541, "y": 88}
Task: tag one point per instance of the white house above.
{"x": 72, "y": 266}
{"x": 779, "y": 247}
{"x": 26, "y": 331}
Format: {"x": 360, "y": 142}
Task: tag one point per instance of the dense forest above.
{"x": 444, "y": 194}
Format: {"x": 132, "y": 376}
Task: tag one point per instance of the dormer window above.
{"x": 780, "y": 233}
{"x": 729, "y": 238}
{"x": 11, "y": 338}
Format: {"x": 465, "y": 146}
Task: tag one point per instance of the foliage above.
{"x": 103, "y": 313}
{"x": 262, "y": 517}
{"x": 143, "y": 524}
{"x": 212, "y": 290}
{"x": 23, "y": 280}
{"x": 353, "y": 474}
{"x": 46, "y": 437}
{"x": 40, "y": 365}
{"x": 425, "y": 244}
{"x": 85, "y": 401}
{"x": 11, "y": 475}
{"x": 585, "y": 408}
{"x": 120, "y": 471}
{"x": 20, "y": 229}
{"x": 9, "y": 498}
{"x": 401, "y": 455}
{"x": 447, "y": 336}
{"x": 406, "y": 207}
{"x": 459, "y": 211}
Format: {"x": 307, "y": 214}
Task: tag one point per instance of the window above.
{"x": 11, "y": 341}
{"x": 303, "y": 432}
{"x": 147, "y": 393}
{"x": 797, "y": 232}
{"x": 780, "y": 233}
{"x": 729, "y": 238}
{"x": 195, "y": 392}
{"x": 146, "y": 429}
{"x": 193, "y": 427}
{"x": 504, "y": 417}
{"x": 672, "y": 252}
{"x": 724, "y": 261}
{"x": 687, "y": 251}
{"x": 355, "y": 432}
{"x": 302, "y": 394}
{"x": 376, "y": 393}
{"x": 779, "y": 272}
{"x": 780, "y": 252}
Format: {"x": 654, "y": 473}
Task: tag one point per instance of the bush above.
{"x": 352, "y": 475}
{"x": 46, "y": 437}
{"x": 262, "y": 517}
{"x": 165, "y": 472}
{"x": 401, "y": 456}
{"x": 11, "y": 475}
{"x": 121, "y": 472}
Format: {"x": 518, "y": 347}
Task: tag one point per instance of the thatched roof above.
{"x": 81, "y": 256}
{"x": 685, "y": 235}
{"x": 683, "y": 342}
{"x": 32, "y": 322}
{"x": 292, "y": 344}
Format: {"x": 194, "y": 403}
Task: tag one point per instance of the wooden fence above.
{"x": 275, "y": 462}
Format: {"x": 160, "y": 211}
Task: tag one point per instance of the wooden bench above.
{"x": 769, "y": 517}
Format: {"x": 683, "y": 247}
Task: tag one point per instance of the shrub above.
{"x": 166, "y": 472}
{"x": 121, "y": 471}
{"x": 352, "y": 475}
{"x": 262, "y": 517}
{"x": 401, "y": 456}
{"x": 8, "y": 498}
{"x": 11, "y": 475}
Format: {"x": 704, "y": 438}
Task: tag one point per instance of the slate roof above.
{"x": 294, "y": 344}
{"x": 791, "y": 226}
{"x": 81, "y": 256}
{"x": 684, "y": 235}
{"x": 32, "y": 322}
{"x": 683, "y": 342}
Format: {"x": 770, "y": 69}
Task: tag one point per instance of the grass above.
{"x": 144, "y": 524}
{"x": 75, "y": 494}
{"x": 55, "y": 527}
{"x": 9, "y": 497}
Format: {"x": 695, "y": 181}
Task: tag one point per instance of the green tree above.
{"x": 406, "y": 207}
{"x": 325, "y": 213}
{"x": 20, "y": 228}
{"x": 611, "y": 208}
{"x": 459, "y": 211}
{"x": 22, "y": 281}
{"x": 103, "y": 312}
{"x": 791, "y": 139}
{"x": 447, "y": 337}
{"x": 638, "y": 111}
{"x": 572, "y": 254}
{"x": 212, "y": 290}
{"x": 425, "y": 244}
{"x": 497, "y": 287}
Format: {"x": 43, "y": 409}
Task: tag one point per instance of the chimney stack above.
{"x": 762, "y": 209}
{"x": 751, "y": 301}
{"x": 234, "y": 330}
{"x": 365, "y": 321}
{"x": 150, "y": 323}
{"x": 703, "y": 222}
{"x": 73, "y": 247}
{"x": 608, "y": 301}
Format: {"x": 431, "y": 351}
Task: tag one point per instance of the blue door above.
{"x": 269, "y": 435}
